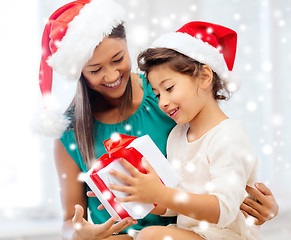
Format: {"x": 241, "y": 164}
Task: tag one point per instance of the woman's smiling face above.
{"x": 108, "y": 71}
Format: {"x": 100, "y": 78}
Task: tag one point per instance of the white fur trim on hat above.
{"x": 194, "y": 48}
{"x": 94, "y": 22}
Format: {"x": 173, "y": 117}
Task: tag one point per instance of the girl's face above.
{"x": 179, "y": 95}
{"x": 109, "y": 68}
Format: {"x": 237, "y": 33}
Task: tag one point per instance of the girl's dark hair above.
{"x": 86, "y": 101}
{"x": 180, "y": 63}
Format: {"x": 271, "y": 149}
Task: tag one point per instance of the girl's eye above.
{"x": 118, "y": 60}
{"x": 158, "y": 96}
{"x": 169, "y": 89}
{"x": 96, "y": 71}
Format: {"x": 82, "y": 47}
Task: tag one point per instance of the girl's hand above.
{"x": 84, "y": 230}
{"x": 264, "y": 208}
{"x": 140, "y": 187}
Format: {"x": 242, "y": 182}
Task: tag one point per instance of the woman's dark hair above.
{"x": 86, "y": 102}
{"x": 180, "y": 63}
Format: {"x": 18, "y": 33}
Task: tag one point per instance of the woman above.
{"x": 85, "y": 41}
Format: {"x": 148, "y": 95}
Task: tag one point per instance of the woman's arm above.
{"x": 74, "y": 202}
{"x": 263, "y": 207}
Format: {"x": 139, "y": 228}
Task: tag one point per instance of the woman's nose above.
{"x": 111, "y": 75}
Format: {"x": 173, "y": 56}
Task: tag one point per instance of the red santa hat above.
{"x": 69, "y": 38}
{"x": 208, "y": 43}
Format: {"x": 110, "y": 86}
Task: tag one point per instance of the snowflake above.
{"x": 203, "y": 225}
{"x": 139, "y": 209}
{"x": 73, "y": 70}
{"x": 267, "y": 66}
{"x": 131, "y": 15}
{"x": 176, "y": 164}
{"x": 236, "y": 16}
{"x": 261, "y": 98}
{"x": 155, "y": 21}
{"x": 267, "y": 149}
{"x": 281, "y": 23}
{"x": 181, "y": 197}
{"x": 209, "y": 186}
{"x": 81, "y": 177}
{"x": 209, "y": 30}
{"x": 248, "y": 67}
{"x": 277, "y": 13}
{"x": 193, "y": 7}
{"x": 107, "y": 194}
{"x": 64, "y": 176}
{"x": 77, "y": 226}
{"x": 131, "y": 232}
{"x": 166, "y": 23}
{"x": 118, "y": 208}
{"x": 190, "y": 167}
{"x": 283, "y": 40}
{"x": 173, "y": 16}
{"x": 73, "y": 146}
{"x": 277, "y": 120}
{"x": 247, "y": 50}
{"x": 250, "y": 221}
{"x": 250, "y": 158}
{"x": 167, "y": 238}
{"x": 242, "y": 27}
{"x": 251, "y": 106}
{"x": 127, "y": 127}
{"x": 115, "y": 137}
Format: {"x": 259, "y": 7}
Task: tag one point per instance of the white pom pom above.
{"x": 232, "y": 80}
{"x": 50, "y": 123}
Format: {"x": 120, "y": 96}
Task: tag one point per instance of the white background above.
{"x": 28, "y": 181}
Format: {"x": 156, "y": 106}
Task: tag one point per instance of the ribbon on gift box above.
{"x": 116, "y": 148}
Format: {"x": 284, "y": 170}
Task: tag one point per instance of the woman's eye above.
{"x": 118, "y": 60}
{"x": 169, "y": 89}
{"x": 96, "y": 71}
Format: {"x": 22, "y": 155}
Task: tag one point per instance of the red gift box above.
{"x": 132, "y": 149}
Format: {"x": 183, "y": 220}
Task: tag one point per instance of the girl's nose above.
{"x": 163, "y": 102}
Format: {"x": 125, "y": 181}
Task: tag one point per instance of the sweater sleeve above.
{"x": 232, "y": 166}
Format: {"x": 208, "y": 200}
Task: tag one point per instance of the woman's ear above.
{"x": 206, "y": 76}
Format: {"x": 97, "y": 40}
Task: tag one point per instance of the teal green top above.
{"x": 148, "y": 119}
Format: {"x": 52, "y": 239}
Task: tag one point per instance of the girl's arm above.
{"x": 74, "y": 202}
{"x": 148, "y": 188}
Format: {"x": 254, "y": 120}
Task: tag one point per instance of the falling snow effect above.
{"x": 181, "y": 197}
{"x": 254, "y": 99}
{"x": 78, "y": 226}
{"x": 127, "y": 127}
{"x": 167, "y": 238}
{"x": 203, "y": 225}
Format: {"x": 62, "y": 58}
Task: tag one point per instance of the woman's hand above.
{"x": 263, "y": 208}
{"x": 140, "y": 187}
{"x": 85, "y": 230}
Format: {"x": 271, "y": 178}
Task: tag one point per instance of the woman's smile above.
{"x": 115, "y": 84}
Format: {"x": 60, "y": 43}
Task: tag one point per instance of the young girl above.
{"x": 188, "y": 70}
